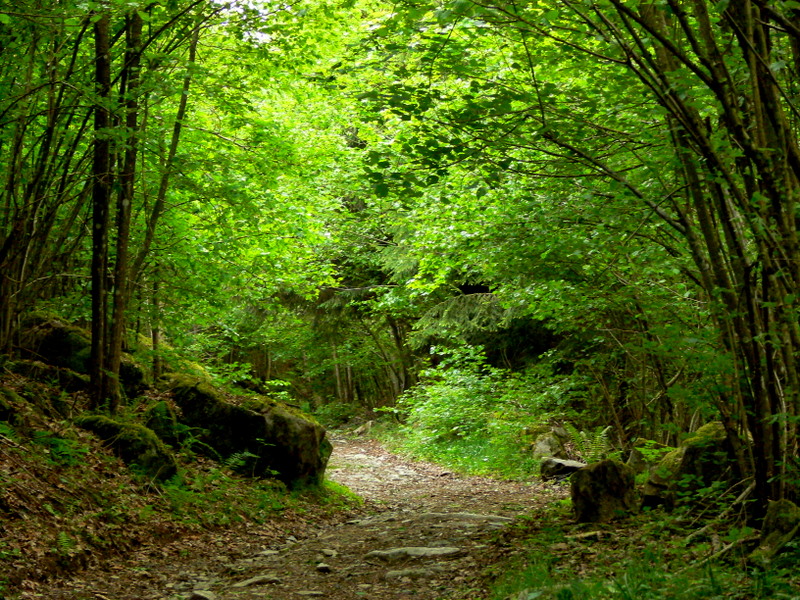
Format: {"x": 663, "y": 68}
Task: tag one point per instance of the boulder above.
{"x": 704, "y": 457}
{"x": 163, "y": 420}
{"x": 636, "y": 461}
{"x": 62, "y": 377}
{"x": 658, "y": 489}
{"x": 549, "y": 444}
{"x": 136, "y": 445}
{"x": 133, "y": 377}
{"x": 265, "y": 438}
{"x": 707, "y": 455}
{"x": 559, "y": 468}
{"x": 55, "y": 342}
{"x": 42, "y": 397}
{"x": 781, "y": 526}
{"x": 603, "y": 491}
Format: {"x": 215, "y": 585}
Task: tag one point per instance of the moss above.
{"x": 66, "y": 379}
{"x": 133, "y": 376}
{"x": 258, "y": 403}
{"x": 195, "y": 370}
{"x": 163, "y": 420}
{"x": 669, "y": 463}
{"x": 263, "y": 404}
{"x": 136, "y": 445}
{"x": 9, "y": 403}
{"x": 274, "y": 438}
{"x": 781, "y": 526}
{"x": 56, "y": 342}
{"x": 603, "y": 491}
{"x": 709, "y": 434}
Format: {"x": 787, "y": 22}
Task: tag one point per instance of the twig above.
{"x": 739, "y": 500}
{"x": 11, "y": 442}
{"x": 725, "y": 550}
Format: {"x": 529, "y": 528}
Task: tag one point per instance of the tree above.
{"x": 688, "y": 114}
{"x": 101, "y": 193}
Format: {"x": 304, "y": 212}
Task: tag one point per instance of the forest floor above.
{"x": 423, "y": 533}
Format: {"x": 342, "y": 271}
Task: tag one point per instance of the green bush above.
{"x": 335, "y": 414}
{"x": 477, "y": 418}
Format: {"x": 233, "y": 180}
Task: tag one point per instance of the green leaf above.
{"x": 382, "y": 190}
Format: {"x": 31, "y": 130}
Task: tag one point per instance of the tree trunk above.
{"x": 130, "y": 89}
{"x": 101, "y": 191}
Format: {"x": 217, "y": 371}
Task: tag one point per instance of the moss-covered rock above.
{"x": 9, "y": 403}
{"x": 52, "y": 341}
{"x": 548, "y": 444}
{"x": 133, "y": 377}
{"x": 61, "y": 377}
{"x": 163, "y": 420}
{"x": 266, "y": 438}
{"x": 707, "y": 457}
{"x": 603, "y": 491}
{"x": 136, "y": 445}
{"x": 781, "y": 526}
{"x": 703, "y": 458}
{"x": 55, "y": 342}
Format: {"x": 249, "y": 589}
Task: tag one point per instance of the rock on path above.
{"x": 423, "y": 535}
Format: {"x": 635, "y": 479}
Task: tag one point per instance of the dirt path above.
{"x": 423, "y": 534}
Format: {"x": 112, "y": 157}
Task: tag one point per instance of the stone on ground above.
{"x": 258, "y": 580}
{"x": 399, "y": 554}
{"x": 603, "y": 491}
{"x": 558, "y": 468}
{"x": 781, "y": 526}
{"x": 703, "y": 458}
{"x": 136, "y": 445}
{"x": 268, "y": 438}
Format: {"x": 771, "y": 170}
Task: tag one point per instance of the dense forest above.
{"x": 468, "y": 219}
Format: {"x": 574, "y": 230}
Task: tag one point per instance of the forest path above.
{"x": 423, "y": 534}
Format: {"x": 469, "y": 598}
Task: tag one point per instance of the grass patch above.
{"x": 473, "y": 455}
{"x": 339, "y": 495}
{"x": 646, "y": 558}
{"x": 213, "y": 497}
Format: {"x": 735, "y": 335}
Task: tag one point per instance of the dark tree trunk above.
{"x": 130, "y": 90}
{"x": 101, "y": 192}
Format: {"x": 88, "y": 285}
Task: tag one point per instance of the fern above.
{"x": 241, "y": 461}
{"x": 65, "y": 543}
{"x": 591, "y": 446}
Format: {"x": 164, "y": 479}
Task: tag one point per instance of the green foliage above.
{"x": 652, "y": 452}
{"x": 61, "y": 451}
{"x": 652, "y": 575}
{"x": 335, "y": 414}
{"x": 534, "y": 579}
{"x": 334, "y": 496}
{"x": 214, "y": 498}
{"x": 65, "y": 543}
{"x": 591, "y": 446}
{"x": 8, "y": 553}
{"x": 218, "y": 497}
{"x": 6, "y": 430}
{"x": 475, "y": 417}
{"x": 242, "y": 462}
{"x": 137, "y": 445}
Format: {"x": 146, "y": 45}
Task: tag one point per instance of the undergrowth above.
{"x": 650, "y": 557}
{"x": 65, "y": 497}
{"x": 479, "y": 419}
